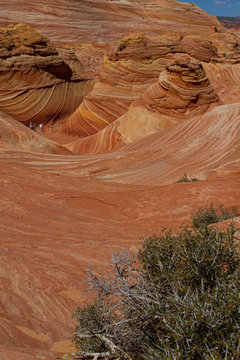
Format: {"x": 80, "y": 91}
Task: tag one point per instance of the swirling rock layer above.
{"x": 127, "y": 74}
{"x": 54, "y": 209}
{"x": 182, "y": 92}
{"x": 128, "y": 71}
{"x": 105, "y": 20}
{"x": 204, "y": 146}
{"x": 60, "y": 214}
{"x": 226, "y": 80}
{"x": 37, "y": 84}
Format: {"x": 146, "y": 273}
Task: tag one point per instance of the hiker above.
{"x": 40, "y": 127}
{"x": 51, "y": 127}
{"x": 31, "y": 125}
{"x": 34, "y": 127}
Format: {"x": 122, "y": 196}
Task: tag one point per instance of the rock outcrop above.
{"x": 231, "y": 23}
{"x": 205, "y": 146}
{"x": 126, "y": 74}
{"x": 62, "y": 74}
{"x": 70, "y": 21}
{"x": 129, "y": 70}
{"x": 36, "y": 83}
{"x": 59, "y": 215}
{"x": 182, "y": 92}
{"x": 165, "y": 102}
{"x": 226, "y": 81}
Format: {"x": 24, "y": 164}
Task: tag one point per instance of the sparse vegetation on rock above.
{"x": 205, "y": 216}
{"x": 122, "y": 46}
{"x": 185, "y": 178}
{"x": 177, "y": 298}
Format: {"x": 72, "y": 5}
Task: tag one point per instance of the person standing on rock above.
{"x": 51, "y": 127}
{"x": 40, "y": 127}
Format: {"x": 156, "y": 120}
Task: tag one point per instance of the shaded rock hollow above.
{"x": 37, "y": 84}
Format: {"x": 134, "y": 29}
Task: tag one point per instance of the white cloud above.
{"x": 225, "y": 3}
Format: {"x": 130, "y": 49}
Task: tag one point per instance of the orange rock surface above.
{"x": 182, "y": 91}
{"x": 70, "y": 21}
{"x": 165, "y": 101}
{"x": 15, "y": 135}
{"x": 129, "y": 71}
{"x": 37, "y": 83}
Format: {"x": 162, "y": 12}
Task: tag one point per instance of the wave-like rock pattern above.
{"x": 182, "y": 92}
{"x": 127, "y": 73}
{"x": 226, "y": 81}
{"x": 53, "y": 212}
{"x": 73, "y": 21}
{"x": 53, "y": 207}
{"x": 104, "y": 141}
{"x": 203, "y": 146}
{"x": 37, "y": 84}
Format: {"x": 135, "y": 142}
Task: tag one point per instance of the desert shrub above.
{"x": 177, "y": 298}
{"x": 122, "y": 47}
{"x": 185, "y": 178}
{"x": 209, "y": 214}
{"x": 92, "y": 319}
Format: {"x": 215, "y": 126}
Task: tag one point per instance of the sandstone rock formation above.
{"x": 164, "y": 102}
{"x": 37, "y": 84}
{"x": 182, "y": 92}
{"x": 203, "y": 147}
{"x": 226, "y": 81}
{"x": 125, "y": 76}
{"x": 128, "y": 71}
{"x": 70, "y": 21}
{"x": 60, "y": 214}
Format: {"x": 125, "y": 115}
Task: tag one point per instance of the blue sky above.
{"x": 218, "y": 7}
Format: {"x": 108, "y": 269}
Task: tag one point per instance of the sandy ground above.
{"x": 55, "y": 222}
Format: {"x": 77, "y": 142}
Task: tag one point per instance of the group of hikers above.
{"x": 33, "y": 126}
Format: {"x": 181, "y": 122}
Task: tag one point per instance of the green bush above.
{"x": 210, "y": 215}
{"x": 185, "y": 178}
{"x": 177, "y": 298}
{"x": 91, "y": 320}
{"x": 122, "y": 47}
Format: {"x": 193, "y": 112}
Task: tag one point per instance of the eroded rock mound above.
{"x": 152, "y": 115}
{"x": 23, "y": 48}
{"x": 127, "y": 73}
{"x": 36, "y": 83}
{"x": 182, "y": 92}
